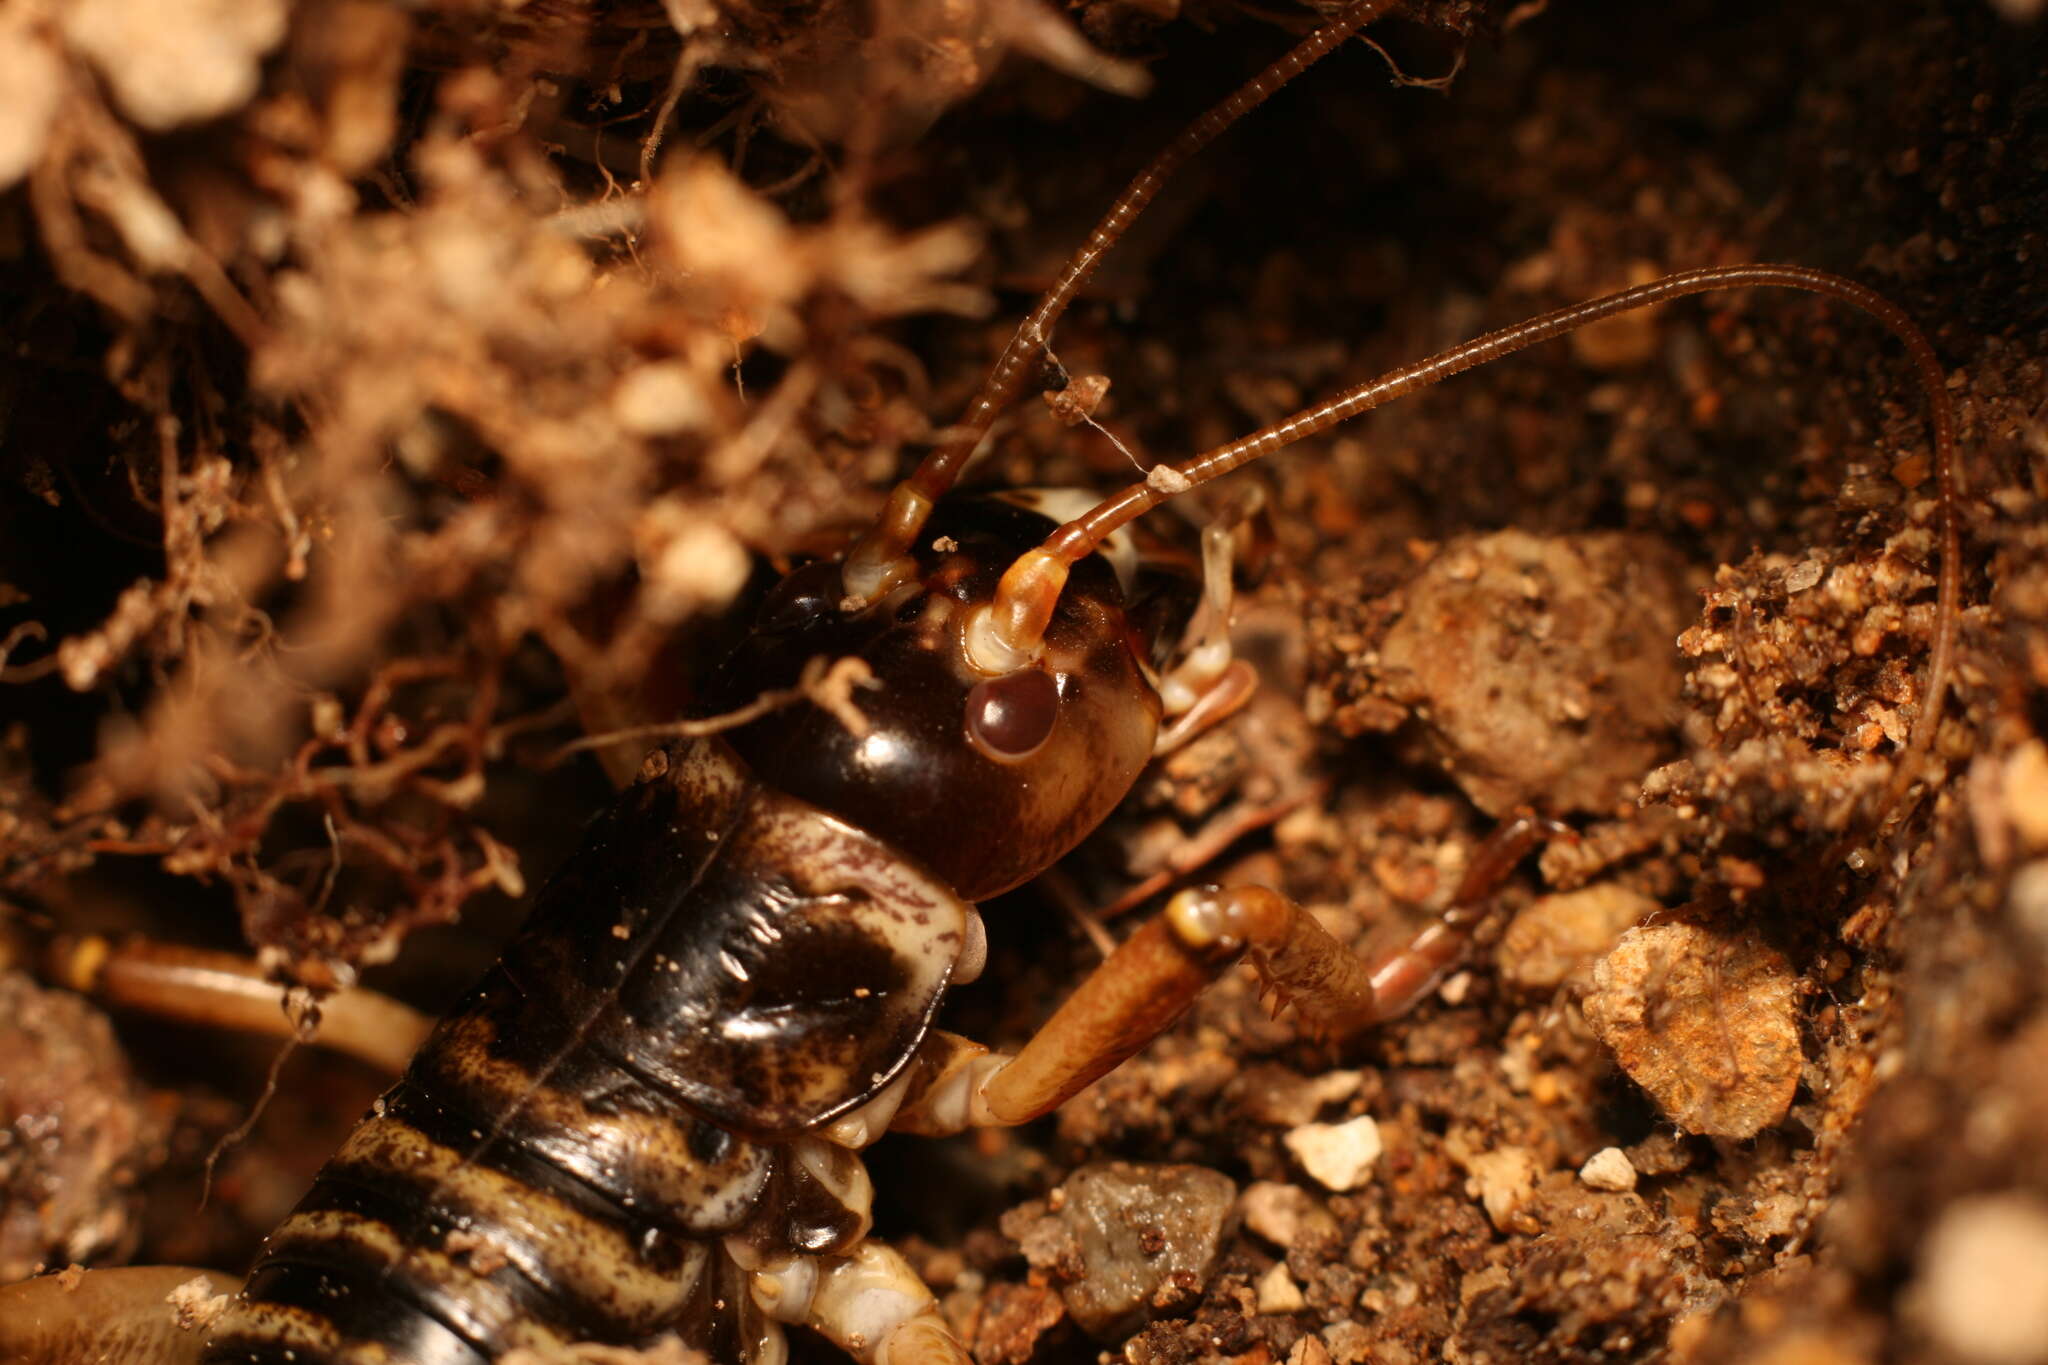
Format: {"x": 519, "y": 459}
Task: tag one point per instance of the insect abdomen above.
{"x": 472, "y": 1213}
{"x": 719, "y": 970}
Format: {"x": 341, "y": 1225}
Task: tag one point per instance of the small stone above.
{"x": 1803, "y": 575}
{"x": 1309, "y": 1351}
{"x": 1338, "y": 1155}
{"x": 1348, "y": 1343}
{"x": 75, "y": 1129}
{"x": 1809, "y": 1346}
{"x": 1127, "y": 1241}
{"x": 1076, "y": 403}
{"x": 1504, "y": 1181}
{"x": 484, "y": 1255}
{"x": 1556, "y": 936}
{"x": 1704, "y": 1023}
{"x": 1609, "y": 1169}
{"x": 1285, "y": 1215}
{"x": 1278, "y": 1293}
{"x": 1983, "y": 1287}
{"x": 688, "y": 562}
{"x": 1276, "y": 1096}
{"x": 1775, "y": 1215}
{"x": 1624, "y": 340}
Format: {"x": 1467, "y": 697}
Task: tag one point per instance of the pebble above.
{"x": 1558, "y": 935}
{"x": 1348, "y": 1343}
{"x": 1011, "y": 1319}
{"x": 173, "y": 64}
{"x": 1284, "y": 1215}
{"x": 196, "y": 1304}
{"x": 1504, "y": 1180}
{"x": 1278, "y": 1293}
{"x": 1126, "y": 1241}
{"x": 1338, "y": 1155}
{"x": 1609, "y": 1169}
{"x": 1283, "y": 1098}
{"x": 687, "y": 563}
{"x": 1309, "y": 1351}
{"x": 1804, "y": 575}
{"x": 1983, "y": 1286}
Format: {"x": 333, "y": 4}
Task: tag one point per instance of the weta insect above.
{"x": 646, "y": 1119}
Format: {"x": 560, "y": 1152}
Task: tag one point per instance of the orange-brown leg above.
{"x": 1157, "y": 973}
{"x": 222, "y": 990}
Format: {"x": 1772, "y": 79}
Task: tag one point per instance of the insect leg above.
{"x": 129, "y": 1316}
{"x": 869, "y": 1303}
{"x": 222, "y": 990}
{"x": 1156, "y": 974}
{"x": 1208, "y": 684}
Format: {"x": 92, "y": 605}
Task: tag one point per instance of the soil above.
{"x": 396, "y": 394}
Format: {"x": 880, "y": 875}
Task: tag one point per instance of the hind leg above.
{"x": 141, "y": 1316}
{"x": 223, "y": 990}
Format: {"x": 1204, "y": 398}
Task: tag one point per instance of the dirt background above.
{"x": 394, "y": 394}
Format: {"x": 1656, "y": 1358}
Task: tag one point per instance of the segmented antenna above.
{"x": 877, "y": 560}
{"x": 1009, "y": 633}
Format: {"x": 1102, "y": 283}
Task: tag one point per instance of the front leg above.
{"x": 1152, "y": 978}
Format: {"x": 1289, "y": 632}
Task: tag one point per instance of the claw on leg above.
{"x": 1209, "y": 684}
{"x": 1335, "y": 992}
{"x": 1154, "y": 975}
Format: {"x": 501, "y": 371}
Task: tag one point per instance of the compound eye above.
{"x": 1008, "y": 718}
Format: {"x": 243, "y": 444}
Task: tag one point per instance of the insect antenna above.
{"x": 877, "y": 559}
{"x": 1010, "y": 631}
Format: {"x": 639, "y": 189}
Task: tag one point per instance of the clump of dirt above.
{"x": 1538, "y": 671}
{"x": 397, "y": 395}
{"x": 1709, "y": 1030}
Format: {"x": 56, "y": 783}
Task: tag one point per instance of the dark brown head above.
{"x": 986, "y": 780}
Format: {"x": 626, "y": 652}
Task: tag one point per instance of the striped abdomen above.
{"x": 718, "y": 972}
